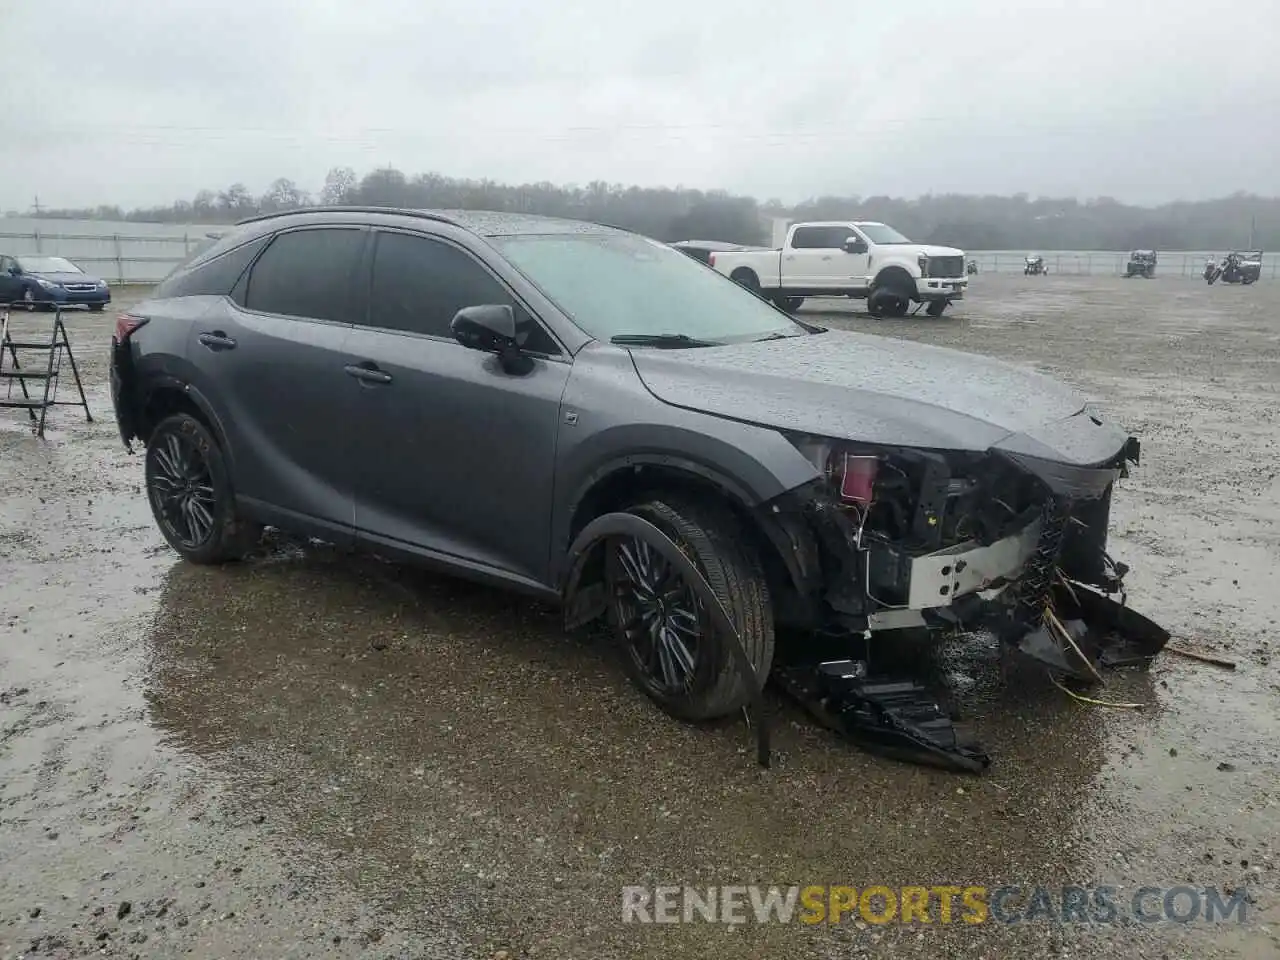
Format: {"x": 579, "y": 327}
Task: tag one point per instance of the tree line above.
{"x": 971, "y": 222}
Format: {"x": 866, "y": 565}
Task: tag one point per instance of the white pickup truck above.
{"x": 850, "y": 258}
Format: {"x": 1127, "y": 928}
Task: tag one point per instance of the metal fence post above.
{"x": 186, "y": 245}
{"x": 119, "y": 259}
{"x": 37, "y": 236}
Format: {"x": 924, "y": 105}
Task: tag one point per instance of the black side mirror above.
{"x": 489, "y": 327}
{"x": 854, "y": 245}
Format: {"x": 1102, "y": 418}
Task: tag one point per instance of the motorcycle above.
{"x": 1035, "y": 266}
{"x": 1243, "y": 267}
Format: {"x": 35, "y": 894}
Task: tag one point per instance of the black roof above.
{"x": 486, "y": 223}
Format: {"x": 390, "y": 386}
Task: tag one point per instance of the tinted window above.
{"x": 214, "y": 277}
{"x": 418, "y": 285}
{"x": 307, "y": 273}
{"x": 819, "y": 238}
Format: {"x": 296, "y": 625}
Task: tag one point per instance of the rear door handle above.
{"x": 367, "y": 372}
{"x": 217, "y": 341}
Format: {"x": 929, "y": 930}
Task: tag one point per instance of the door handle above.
{"x": 367, "y": 373}
{"x": 217, "y": 341}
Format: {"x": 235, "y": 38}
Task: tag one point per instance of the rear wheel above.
{"x": 97, "y": 307}
{"x": 670, "y": 647}
{"x": 748, "y": 279}
{"x": 191, "y": 495}
{"x": 936, "y": 308}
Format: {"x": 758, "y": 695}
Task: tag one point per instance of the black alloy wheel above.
{"x": 659, "y": 616}
{"x": 180, "y": 484}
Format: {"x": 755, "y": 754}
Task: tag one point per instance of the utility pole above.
{"x": 36, "y": 206}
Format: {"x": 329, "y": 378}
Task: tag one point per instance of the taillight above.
{"x": 126, "y": 323}
{"x": 711, "y": 260}
{"x": 858, "y": 477}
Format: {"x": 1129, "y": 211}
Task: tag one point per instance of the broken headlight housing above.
{"x": 923, "y": 500}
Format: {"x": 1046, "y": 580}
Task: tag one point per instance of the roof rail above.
{"x": 395, "y": 211}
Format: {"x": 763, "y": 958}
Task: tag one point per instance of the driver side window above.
{"x": 418, "y": 284}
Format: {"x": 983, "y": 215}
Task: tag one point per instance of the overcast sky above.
{"x": 139, "y": 102}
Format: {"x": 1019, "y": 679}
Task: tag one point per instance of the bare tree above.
{"x": 283, "y": 194}
{"x": 340, "y": 186}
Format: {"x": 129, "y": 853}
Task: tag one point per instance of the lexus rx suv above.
{"x": 595, "y": 418}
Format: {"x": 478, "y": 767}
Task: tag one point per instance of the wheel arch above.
{"x": 895, "y": 276}
{"x": 786, "y": 546}
{"x": 739, "y": 274}
{"x": 167, "y": 395}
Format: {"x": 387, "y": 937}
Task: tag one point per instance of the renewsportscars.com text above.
{"x": 818, "y": 904}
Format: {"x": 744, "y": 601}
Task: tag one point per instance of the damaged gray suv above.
{"x": 592, "y": 417}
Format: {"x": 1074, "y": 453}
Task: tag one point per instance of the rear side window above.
{"x": 216, "y": 277}
{"x": 419, "y": 284}
{"x": 820, "y": 238}
{"x": 809, "y": 238}
{"x": 307, "y": 273}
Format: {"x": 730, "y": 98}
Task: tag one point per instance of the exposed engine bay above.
{"x": 939, "y": 540}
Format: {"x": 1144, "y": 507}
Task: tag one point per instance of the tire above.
{"x": 791, "y": 304}
{"x": 936, "y": 308}
{"x": 181, "y": 450}
{"x": 889, "y": 301}
{"x": 748, "y": 279}
{"x": 710, "y": 536}
{"x": 97, "y": 307}
{"x": 29, "y": 299}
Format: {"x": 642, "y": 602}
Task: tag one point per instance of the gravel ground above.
{"x": 314, "y": 755}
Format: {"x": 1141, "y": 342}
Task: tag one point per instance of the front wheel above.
{"x": 936, "y": 308}
{"x": 888, "y": 302}
{"x": 191, "y": 495}
{"x": 670, "y": 647}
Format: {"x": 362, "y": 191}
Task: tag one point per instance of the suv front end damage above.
{"x": 1012, "y": 540}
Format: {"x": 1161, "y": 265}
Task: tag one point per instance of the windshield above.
{"x": 880, "y": 234}
{"x": 629, "y": 285}
{"x": 47, "y": 265}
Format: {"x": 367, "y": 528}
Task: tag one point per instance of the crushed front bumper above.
{"x": 941, "y": 578}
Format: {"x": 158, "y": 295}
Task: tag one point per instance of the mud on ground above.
{"x": 310, "y": 755}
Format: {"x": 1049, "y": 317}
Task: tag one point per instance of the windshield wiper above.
{"x": 673, "y": 340}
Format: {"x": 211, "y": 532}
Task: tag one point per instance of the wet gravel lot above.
{"x": 310, "y": 754}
